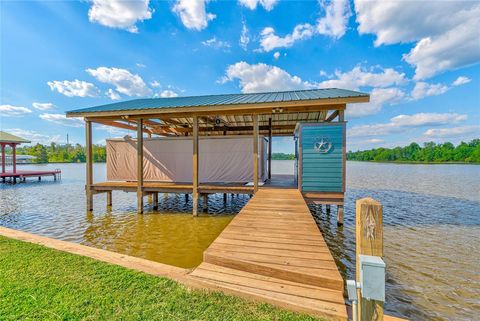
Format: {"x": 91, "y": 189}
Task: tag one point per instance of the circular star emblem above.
{"x": 323, "y": 145}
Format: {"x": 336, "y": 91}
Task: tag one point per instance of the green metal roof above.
{"x": 9, "y": 138}
{"x": 226, "y": 99}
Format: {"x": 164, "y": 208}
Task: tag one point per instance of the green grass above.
{"x": 38, "y": 283}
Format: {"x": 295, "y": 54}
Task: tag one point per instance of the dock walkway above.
{"x": 273, "y": 251}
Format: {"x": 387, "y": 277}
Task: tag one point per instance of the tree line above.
{"x": 56, "y": 153}
{"x": 429, "y": 153}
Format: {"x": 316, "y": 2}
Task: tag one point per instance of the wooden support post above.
{"x": 195, "y": 167}
{"x": 224, "y": 197}
{"x": 255, "y": 153}
{"x": 155, "y": 201}
{"x": 270, "y": 148}
{"x": 369, "y": 241}
{"x": 109, "y": 198}
{"x": 327, "y": 208}
{"x": 3, "y": 158}
{"x": 341, "y": 115}
{"x": 339, "y": 215}
{"x": 205, "y": 202}
{"x": 89, "y": 164}
{"x": 140, "y": 166}
{"x": 14, "y": 157}
{"x": 150, "y": 196}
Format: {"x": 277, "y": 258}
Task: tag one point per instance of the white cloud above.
{"x": 43, "y": 106}
{"x": 462, "y": 80}
{"x": 424, "y": 119}
{"x": 61, "y": 119}
{"x": 270, "y": 41}
{"x": 33, "y": 136}
{"x": 423, "y": 89}
{"x": 361, "y": 77}
{"x": 252, "y": 4}
{"x": 14, "y": 111}
{"x": 446, "y": 32}
{"x": 125, "y": 82}
{"x": 217, "y": 44}
{"x": 401, "y": 122}
{"x": 168, "y": 93}
{"x": 155, "y": 84}
{"x": 452, "y": 131}
{"x": 262, "y": 77}
{"x": 113, "y": 95}
{"x": 193, "y": 13}
{"x": 332, "y": 24}
{"x": 378, "y": 98}
{"x": 276, "y": 55}
{"x": 74, "y": 88}
{"x": 375, "y": 141}
{"x": 244, "y": 37}
{"x": 119, "y": 13}
{"x": 139, "y": 65}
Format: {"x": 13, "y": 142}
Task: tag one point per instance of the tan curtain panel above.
{"x": 169, "y": 159}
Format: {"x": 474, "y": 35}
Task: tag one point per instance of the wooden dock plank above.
{"x": 273, "y": 251}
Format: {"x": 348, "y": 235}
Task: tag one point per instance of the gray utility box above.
{"x": 372, "y": 277}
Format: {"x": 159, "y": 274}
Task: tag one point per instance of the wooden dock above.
{"x": 22, "y": 175}
{"x": 273, "y": 251}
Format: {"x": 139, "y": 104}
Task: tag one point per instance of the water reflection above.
{"x": 431, "y": 228}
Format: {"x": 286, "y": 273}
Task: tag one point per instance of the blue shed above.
{"x": 320, "y": 161}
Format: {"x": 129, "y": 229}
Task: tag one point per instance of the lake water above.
{"x": 431, "y": 228}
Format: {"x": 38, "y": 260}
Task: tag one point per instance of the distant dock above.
{"x": 21, "y": 176}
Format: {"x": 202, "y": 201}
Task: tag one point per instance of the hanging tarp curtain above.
{"x": 221, "y": 159}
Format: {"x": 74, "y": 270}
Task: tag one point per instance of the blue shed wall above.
{"x": 322, "y": 172}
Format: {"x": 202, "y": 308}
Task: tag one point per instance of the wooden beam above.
{"x": 332, "y": 116}
{"x": 195, "y": 167}
{"x": 255, "y": 153}
{"x": 369, "y": 241}
{"x": 140, "y": 166}
{"x": 341, "y": 115}
{"x": 270, "y": 148}
{"x": 89, "y": 165}
{"x": 229, "y": 129}
{"x": 121, "y": 125}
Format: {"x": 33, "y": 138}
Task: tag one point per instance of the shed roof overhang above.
{"x": 225, "y": 114}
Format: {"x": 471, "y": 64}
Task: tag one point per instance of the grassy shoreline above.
{"x": 38, "y": 283}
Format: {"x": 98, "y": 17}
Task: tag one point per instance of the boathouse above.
{"x": 315, "y": 117}
{"x": 7, "y": 139}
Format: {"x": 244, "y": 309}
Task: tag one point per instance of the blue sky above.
{"x": 418, "y": 60}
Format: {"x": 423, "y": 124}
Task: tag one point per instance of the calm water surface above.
{"x": 431, "y": 222}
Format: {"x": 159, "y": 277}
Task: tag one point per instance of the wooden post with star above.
{"x": 369, "y": 241}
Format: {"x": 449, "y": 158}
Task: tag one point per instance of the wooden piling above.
{"x": 195, "y": 167}
{"x": 369, "y": 241}
{"x": 270, "y": 148}
{"x": 205, "y": 202}
{"x": 255, "y": 153}
{"x": 89, "y": 167}
{"x": 155, "y": 201}
{"x": 339, "y": 215}
{"x": 109, "y": 198}
{"x": 140, "y": 166}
